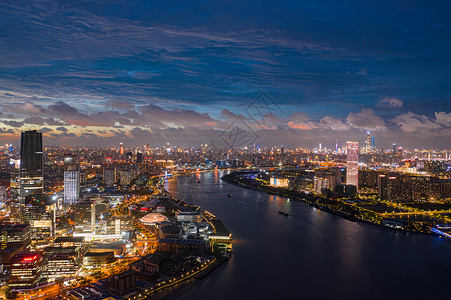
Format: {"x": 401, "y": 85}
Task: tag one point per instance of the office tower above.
{"x": 352, "y": 171}
{"x": 373, "y": 144}
{"x": 69, "y": 159}
{"x": 26, "y": 270}
{"x": 368, "y": 142}
{"x": 394, "y": 149}
{"x": 121, "y": 149}
{"x": 15, "y": 235}
{"x": 71, "y": 184}
{"x": 336, "y": 146}
{"x": 125, "y": 177}
{"x": 320, "y": 185}
{"x": 109, "y": 176}
{"x": 31, "y": 167}
{"x": 82, "y": 177}
{"x": 93, "y": 217}
{"x": 14, "y": 177}
{"x": 139, "y": 158}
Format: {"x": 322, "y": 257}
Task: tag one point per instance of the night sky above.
{"x": 296, "y": 73}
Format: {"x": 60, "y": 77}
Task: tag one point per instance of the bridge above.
{"x": 439, "y": 232}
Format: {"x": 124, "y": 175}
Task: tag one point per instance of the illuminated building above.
{"x": 188, "y": 216}
{"x": 125, "y": 177}
{"x": 123, "y": 282}
{"x": 139, "y": 158}
{"x": 15, "y": 235}
{"x": 352, "y": 171}
{"x": 121, "y": 149}
{"x": 42, "y": 229}
{"x": 97, "y": 259}
{"x": 26, "y": 270}
{"x": 71, "y": 184}
{"x": 109, "y": 176}
{"x": 182, "y": 246}
{"x": 68, "y": 241}
{"x": 153, "y": 218}
{"x": 278, "y": 181}
{"x": 320, "y": 184}
{"x": 62, "y": 265}
{"x": 368, "y": 147}
{"x": 14, "y": 177}
{"x": 31, "y": 169}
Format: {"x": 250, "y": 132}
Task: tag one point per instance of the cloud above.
{"x": 228, "y": 114}
{"x": 27, "y": 108}
{"x": 120, "y": 104}
{"x": 5, "y": 130}
{"x": 13, "y": 123}
{"x": 176, "y": 118}
{"x": 329, "y": 122}
{"x": 299, "y": 125}
{"x": 391, "y": 102}
{"x": 410, "y": 122}
{"x": 443, "y": 118}
{"x": 42, "y": 121}
{"x": 366, "y": 119}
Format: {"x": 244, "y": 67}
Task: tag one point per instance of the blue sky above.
{"x": 104, "y": 72}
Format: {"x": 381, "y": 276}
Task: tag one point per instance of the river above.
{"x": 310, "y": 254}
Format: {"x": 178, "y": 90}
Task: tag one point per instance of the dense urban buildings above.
{"x": 86, "y": 226}
{"x": 31, "y": 168}
{"x": 352, "y": 171}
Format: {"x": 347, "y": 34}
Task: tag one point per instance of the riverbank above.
{"x": 334, "y": 206}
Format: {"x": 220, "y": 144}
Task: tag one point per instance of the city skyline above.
{"x": 105, "y": 72}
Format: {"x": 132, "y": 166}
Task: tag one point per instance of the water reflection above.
{"x": 312, "y": 254}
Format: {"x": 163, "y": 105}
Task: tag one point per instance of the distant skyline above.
{"x": 292, "y": 73}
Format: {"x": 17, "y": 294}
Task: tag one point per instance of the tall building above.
{"x": 121, "y": 149}
{"x": 15, "y": 235}
{"x": 368, "y": 142}
{"x": 71, "y": 184}
{"x": 352, "y": 171}
{"x": 109, "y": 175}
{"x": 31, "y": 166}
{"x": 14, "y": 177}
{"x": 26, "y": 270}
{"x": 32, "y": 204}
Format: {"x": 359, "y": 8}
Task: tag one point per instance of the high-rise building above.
{"x": 352, "y": 171}
{"x": 31, "y": 167}
{"x": 368, "y": 142}
{"x": 69, "y": 159}
{"x": 121, "y": 149}
{"x": 139, "y": 158}
{"x": 109, "y": 176}
{"x": 26, "y": 270}
{"x": 71, "y": 184}
{"x": 14, "y": 177}
{"x": 15, "y": 235}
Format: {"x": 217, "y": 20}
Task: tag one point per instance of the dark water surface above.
{"x": 310, "y": 254}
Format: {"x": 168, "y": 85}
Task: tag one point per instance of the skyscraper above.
{"x": 71, "y": 184}
{"x": 121, "y": 149}
{"x": 352, "y": 171}
{"x": 31, "y": 167}
{"x": 368, "y": 142}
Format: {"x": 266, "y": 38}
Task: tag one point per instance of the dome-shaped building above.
{"x": 153, "y": 218}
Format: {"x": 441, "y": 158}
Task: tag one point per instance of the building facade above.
{"x": 352, "y": 171}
